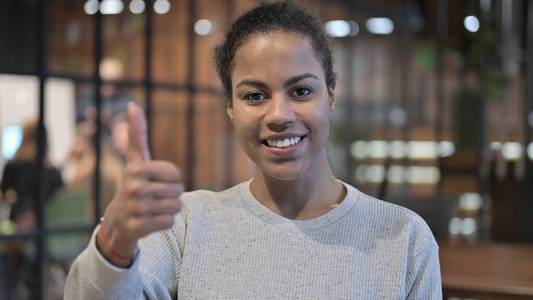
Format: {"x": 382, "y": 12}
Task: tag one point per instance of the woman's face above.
{"x": 281, "y": 104}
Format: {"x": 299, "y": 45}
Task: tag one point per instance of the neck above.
{"x": 310, "y": 195}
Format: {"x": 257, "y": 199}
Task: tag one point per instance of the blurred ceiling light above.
{"x": 203, "y": 27}
{"x": 337, "y": 28}
{"x": 360, "y": 173}
{"x": 111, "y": 7}
{"x": 512, "y": 150}
{"x": 471, "y": 23}
{"x": 358, "y": 149}
{"x": 375, "y": 173}
{"x": 422, "y": 149}
{"x": 446, "y": 148}
{"x": 377, "y": 149}
{"x": 372, "y": 173}
{"x": 137, "y": 7}
{"x": 468, "y": 226}
{"x": 423, "y": 175}
{"x": 161, "y": 6}
{"x": 11, "y": 139}
{"x": 91, "y": 7}
{"x": 380, "y": 26}
{"x": 530, "y": 150}
{"x": 396, "y": 174}
{"x": 470, "y": 201}
{"x": 495, "y": 146}
{"x": 397, "y": 149}
{"x": 454, "y": 227}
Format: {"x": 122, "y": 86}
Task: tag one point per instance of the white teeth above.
{"x": 284, "y": 143}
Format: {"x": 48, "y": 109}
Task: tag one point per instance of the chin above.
{"x": 283, "y": 172}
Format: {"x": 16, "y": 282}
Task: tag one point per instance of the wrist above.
{"x": 121, "y": 254}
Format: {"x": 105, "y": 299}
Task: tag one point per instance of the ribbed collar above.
{"x": 261, "y": 211}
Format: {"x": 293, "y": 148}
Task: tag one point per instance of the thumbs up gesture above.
{"x": 146, "y": 200}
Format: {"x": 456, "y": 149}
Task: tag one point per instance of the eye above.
{"x": 301, "y": 91}
{"x": 255, "y": 96}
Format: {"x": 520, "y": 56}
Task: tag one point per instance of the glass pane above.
{"x": 114, "y": 139}
{"x": 18, "y": 122}
{"x": 61, "y": 250}
{"x": 67, "y": 204}
{"x": 19, "y": 266}
{"x": 169, "y": 127}
{"x": 79, "y": 162}
{"x": 210, "y": 26}
{"x": 71, "y": 44}
{"x": 213, "y": 169}
{"x": 18, "y": 35}
{"x": 242, "y": 6}
{"x": 19, "y": 270}
{"x": 170, "y": 44}
{"x": 210, "y": 133}
{"x": 124, "y": 51}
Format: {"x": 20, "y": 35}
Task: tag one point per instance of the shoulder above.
{"x": 205, "y": 200}
{"x": 393, "y": 222}
{"x": 373, "y": 209}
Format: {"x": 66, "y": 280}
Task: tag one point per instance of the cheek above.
{"x": 244, "y": 122}
{"x": 318, "y": 119}
{"x": 322, "y": 121}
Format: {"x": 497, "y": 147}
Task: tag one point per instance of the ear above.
{"x": 229, "y": 111}
{"x": 332, "y": 99}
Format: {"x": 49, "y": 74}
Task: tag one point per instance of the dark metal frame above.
{"x": 527, "y": 201}
{"x": 191, "y": 110}
{"x": 42, "y": 181}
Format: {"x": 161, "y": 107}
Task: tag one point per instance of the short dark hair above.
{"x": 268, "y": 17}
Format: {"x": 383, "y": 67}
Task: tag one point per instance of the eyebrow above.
{"x": 287, "y": 83}
{"x": 297, "y": 78}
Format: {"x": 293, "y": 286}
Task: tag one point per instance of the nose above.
{"x": 280, "y": 114}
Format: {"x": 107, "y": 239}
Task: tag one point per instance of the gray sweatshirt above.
{"x": 227, "y": 245}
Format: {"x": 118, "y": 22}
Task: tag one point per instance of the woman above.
{"x": 293, "y": 231}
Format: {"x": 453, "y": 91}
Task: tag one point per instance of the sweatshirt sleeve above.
{"x": 425, "y": 275}
{"x": 153, "y": 275}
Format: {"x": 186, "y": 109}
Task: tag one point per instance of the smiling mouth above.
{"x": 284, "y": 143}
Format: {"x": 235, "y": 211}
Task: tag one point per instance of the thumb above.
{"x": 137, "y": 134}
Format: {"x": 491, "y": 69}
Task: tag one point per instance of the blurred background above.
{"x": 434, "y": 112}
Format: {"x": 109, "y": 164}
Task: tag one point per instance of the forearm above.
{"x": 92, "y": 277}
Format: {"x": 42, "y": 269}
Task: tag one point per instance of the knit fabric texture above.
{"x": 227, "y": 245}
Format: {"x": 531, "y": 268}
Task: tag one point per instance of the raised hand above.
{"x": 146, "y": 200}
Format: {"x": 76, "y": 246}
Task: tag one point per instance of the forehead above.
{"x": 276, "y": 53}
